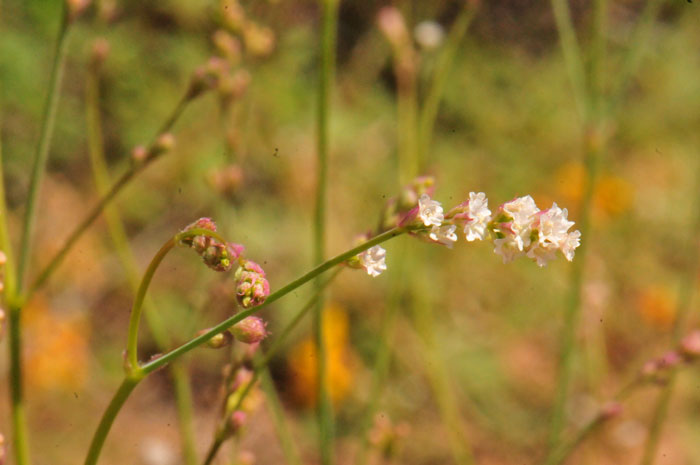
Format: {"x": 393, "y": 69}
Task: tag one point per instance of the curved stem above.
{"x": 136, "y": 309}
{"x": 19, "y": 418}
{"x": 42, "y": 151}
{"x": 213, "y": 450}
{"x": 108, "y": 417}
{"x": 224, "y": 325}
{"x": 107, "y": 198}
{"x": 329, "y": 12}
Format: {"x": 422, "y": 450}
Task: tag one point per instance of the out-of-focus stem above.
{"x": 119, "y": 184}
{"x": 572, "y": 53}
{"x": 275, "y": 406}
{"x": 382, "y": 357}
{"x": 259, "y": 369}
{"x": 42, "y": 151}
{"x": 329, "y": 13}
{"x": 685, "y": 298}
{"x": 443, "y": 67}
{"x": 182, "y": 392}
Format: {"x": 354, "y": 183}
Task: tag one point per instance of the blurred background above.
{"x": 507, "y": 125}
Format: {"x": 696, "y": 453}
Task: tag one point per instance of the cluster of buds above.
{"x": 252, "y": 287}
{"x": 163, "y": 144}
{"x": 659, "y": 370}
{"x": 518, "y": 227}
{"x": 216, "y": 255}
{"x": 250, "y": 330}
{"x": 237, "y": 408}
{"x": 259, "y": 40}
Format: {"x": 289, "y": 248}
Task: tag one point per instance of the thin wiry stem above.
{"x": 685, "y": 298}
{"x": 329, "y": 13}
{"x": 116, "y": 188}
{"x": 443, "y": 67}
{"x": 182, "y": 392}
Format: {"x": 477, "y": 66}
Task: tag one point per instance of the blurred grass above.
{"x": 507, "y": 126}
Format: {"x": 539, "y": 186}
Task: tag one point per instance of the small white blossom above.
{"x": 542, "y": 255}
{"x": 522, "y": 210}
{"x": 507, "y": 249}
{"x": 444, "y": 234}
{"x": 429, "y": 34}
{"x": 373, "y": 260}
{"x": 573, "y": 240}
{"x": 552, "y": 226}
{"x": 430, "y": 211}
{"x": 479, "y": 216}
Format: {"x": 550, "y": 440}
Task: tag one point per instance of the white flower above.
{"x": 479, "y": 216}
{"x": 373, "y": 260}
{"x": 444, "y": 234}
{"x": 552, "y": 226}
{"x": 542, "y": 255}
{"x": 507, "y": 249}
{"x": 522, "y": 210}
{"x": 430, "y": 211}
{"x": 429, "y": 34}
{"x": 573, "y": 240}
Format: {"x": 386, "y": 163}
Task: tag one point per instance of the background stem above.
{"x": 329, "y": 12}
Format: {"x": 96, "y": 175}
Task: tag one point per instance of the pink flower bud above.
{"x": 164, "y": 143}
{"x": 199, "y": 243}
{"x": 236, "y": 422}
{"x": 100, "y": 51}
{"x": 251, "y": 286}
{"x": 139, "y": 154}
{"x": 2, "y": 449}
{"x": 250, "y": 330}
{"x": 75, "y": 8}
{"x": 217, "y": 341}
{"x": 690, "y": 345}
{"x": 2, "y": 321}
{"x": 611, "y": 410}
{"x": 207, "y": 77}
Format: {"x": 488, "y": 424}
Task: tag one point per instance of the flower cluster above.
{"x": 251, "y": 286}
{"x": 518, "y": 228}
{"x": 216, "y": 255}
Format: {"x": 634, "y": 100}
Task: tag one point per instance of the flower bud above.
{"x": 611, "y": 410}
{"x": 2, "y": 449}
{"x": 2, "y": 321}
{"x": 393, "y": 26}
{"x": 220, "y": 257}
{"x": 199, "y": 243}
{"x": 250, "y": 330}
{"x": 251, "y": 286}
{"x": 236, "y": 422}
{"x": 100, "y": 51}
{"x": 206, "y": 77}
{"x": 259, "y": 40}
{"x": 217, "y": 341}
{"x": 233, "y": 86}
{"x": 245, "y": 457}
{"x": 75, "y": 8}
{"x": 690, "y": 346}
{"x": 232, "y": 14}
{"x": 165, "y": 143}
{"x": 226, "y": 180}
{"x": 228, "y": 46}
{"x": 139, "y": 154}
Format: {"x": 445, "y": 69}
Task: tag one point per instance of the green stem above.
{"x": 260, "y": 366}
{"x": 572, "y": 53}
{"x": 683, "y": 309}
{"x": 275, "y": 406}
{"x": 183, "y": 396}
{"x": 93, "y": 214}
{"x": 439, "y": 81}
{"x": 213, "y": 450}
{"x": 42, "y": 151}
{"x": 137, "y": 308}
{"x": 382, "y": 356}
{"x": 108, "y": 417}
{"x": 329, "y": 15}
{"x": 9, "y": 278}
{"x": 19, "y": 419}
{"x": 224, "y": 325}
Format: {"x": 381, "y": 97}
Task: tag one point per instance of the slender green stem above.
{"x": 443, "y": 67}
{"x": 275, "y": 406}
{"x": 213, "y": 450}
{"x": 683, "y": 309}
{"x": 438, "y": 377}
{"x": 108, "y": 417}
{"x": 119, "y": 184}
{"x": 137, "y": 308}
{"x": 329, "y": 13}
{"x": 572, "y": 53}
{"x": 565, "y": 450}
{"x": 382, "y": 357}
{"x": 224, "y": 325}
{"x": 9, "y": 279}
{"x": 260, "y": 366}
{"x": 19, "y": 419}
{"x": 183, "y": 396}
{"x": 42, "y": 151}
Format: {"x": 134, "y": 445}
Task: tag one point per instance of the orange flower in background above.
{"x": 301, "y": 361}
{"x": 613, "y": 195}
{"x": 56, "y": 348}
{"x": 657, "y": 306}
